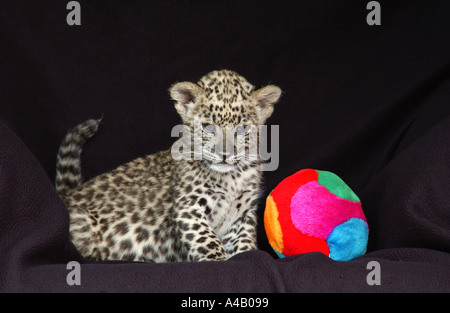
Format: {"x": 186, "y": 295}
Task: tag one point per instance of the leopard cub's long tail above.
{"x": 68, "y": 165}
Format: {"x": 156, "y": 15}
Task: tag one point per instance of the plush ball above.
{"x": 315, "y": 211}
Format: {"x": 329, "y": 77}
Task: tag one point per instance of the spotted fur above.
{"x": 159, "y": 209}
{"x": 68, "y": 171}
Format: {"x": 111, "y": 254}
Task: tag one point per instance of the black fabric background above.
{"x": 369, "y": 103}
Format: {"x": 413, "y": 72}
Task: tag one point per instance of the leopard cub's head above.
{"x": 224, "y": 111}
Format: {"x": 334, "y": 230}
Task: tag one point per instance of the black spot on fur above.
{"x": 202, "y": 201}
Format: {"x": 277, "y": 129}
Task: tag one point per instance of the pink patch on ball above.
{"x": 316, "y": 212}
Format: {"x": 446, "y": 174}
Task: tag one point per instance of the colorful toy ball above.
{"x": 315, "y": 211}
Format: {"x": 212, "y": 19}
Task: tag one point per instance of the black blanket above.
{"x": 369, "y": 103}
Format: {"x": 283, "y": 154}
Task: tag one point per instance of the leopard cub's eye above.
{"x": 241, "y": 130}
{"x": 209, "y": 128}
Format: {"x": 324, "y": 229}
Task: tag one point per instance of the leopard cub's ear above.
{"x": 185, "y": 95}
{"x": 265, "y": 98}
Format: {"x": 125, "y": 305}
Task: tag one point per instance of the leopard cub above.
{"x": 158, "y": 208}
